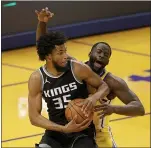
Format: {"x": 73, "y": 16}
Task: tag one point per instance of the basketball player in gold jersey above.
{"x": 99, "y": 59}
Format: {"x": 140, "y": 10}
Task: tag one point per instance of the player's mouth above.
{"x": 64, "y": 63}
{"x": 98, "y": 64}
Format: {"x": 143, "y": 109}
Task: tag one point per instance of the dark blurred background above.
{"x": 19, "y": 16}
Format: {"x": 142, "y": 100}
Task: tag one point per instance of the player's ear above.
{"x": 49, "y": 57}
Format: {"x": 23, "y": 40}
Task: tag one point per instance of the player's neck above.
{"x": 52, "y": 70}
{"x": 100, "y": 71}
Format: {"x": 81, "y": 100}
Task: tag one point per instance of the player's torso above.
{"x": 58, "y": 91}
{"x": 103, "y": 132}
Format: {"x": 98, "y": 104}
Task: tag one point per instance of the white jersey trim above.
{"x": 73, "y": 73}
{"x": 48, "y": 74}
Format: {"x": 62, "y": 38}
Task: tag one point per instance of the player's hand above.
{"x": 106, "y": 109}
{"x": 44, "y": 15}
{"x": 72, "y": 126}
{"x": 88, "y": 106}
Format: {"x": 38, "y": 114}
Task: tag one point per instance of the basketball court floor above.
{"x": 130, "y": 60}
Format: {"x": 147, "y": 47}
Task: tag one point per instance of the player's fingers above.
{"x": 86, "y": 125}
{"x": 85, "y": 110}
{"x": 49, "y": 16}
{"x": 46, "y": 9}
{"x": 52, "y": 14}
{"x": 84, "y": 105}
{"x": 37, "y": 12}
{"x": 88, "y": 108}
{"x": 89, "y": 113}
{"x": 102, "y": 101}
{"x": 101, "y": 113}
{"x": 83, "y": 122}
{"x": 102, "y": 116}
{"x": 101, "y": 105}
{"x": 48, "y": 13}
{"x": 100, "y": 108}
{"x": 74, "y": 119}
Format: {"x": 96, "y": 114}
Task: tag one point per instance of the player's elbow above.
{"x": 141, "y": 110}
{"x": 33, "y": 119}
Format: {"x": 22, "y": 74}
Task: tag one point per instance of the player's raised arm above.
{"x": 43, "y": 17}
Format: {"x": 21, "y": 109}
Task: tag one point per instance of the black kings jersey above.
{"x": 57, "y": 91}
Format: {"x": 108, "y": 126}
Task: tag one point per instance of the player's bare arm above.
{"x": 43, "y": 17}
{"x": 35, "y": 107}
{"x": 119, "y": 87}
{"x": 84, "y": 73}
{"x": 35, "y": 104}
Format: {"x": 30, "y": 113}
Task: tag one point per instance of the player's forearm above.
{"x": 43, "y": 122}
{"x": 134, "y": 108}
{"x": 41, "y": 29}
{"x": 102, "y": 92}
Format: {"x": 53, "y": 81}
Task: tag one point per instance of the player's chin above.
{"x": 97, "y": 68}
{"x": 63, "y": 64}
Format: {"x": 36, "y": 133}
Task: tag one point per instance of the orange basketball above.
{"x": 74, "y": 108}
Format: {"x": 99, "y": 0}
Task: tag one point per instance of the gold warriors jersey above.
{"x": 103, "y": 133}
{"x": 104, "y": 136}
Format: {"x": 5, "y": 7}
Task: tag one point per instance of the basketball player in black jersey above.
{"x": 57, "y": 82}
{"x": 99, "y": 58}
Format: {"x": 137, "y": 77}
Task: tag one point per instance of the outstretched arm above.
{"x": 132, "y": 107}
{"x": 43, "y": 17}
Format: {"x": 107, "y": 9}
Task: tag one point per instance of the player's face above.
{"x": 100, "y": 56}
{"x": 59, "y": 58}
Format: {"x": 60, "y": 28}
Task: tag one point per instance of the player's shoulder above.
{"x": 35, "y": 76}
{"x": 80, "y": 64}
{"x": 35, "y": 82}
{"x": 114, "y": 80}
{"x": 111, "y": 76}
{"x": 81, "y": 70}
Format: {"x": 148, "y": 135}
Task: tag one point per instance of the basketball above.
{"x": 74, "y": 108}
